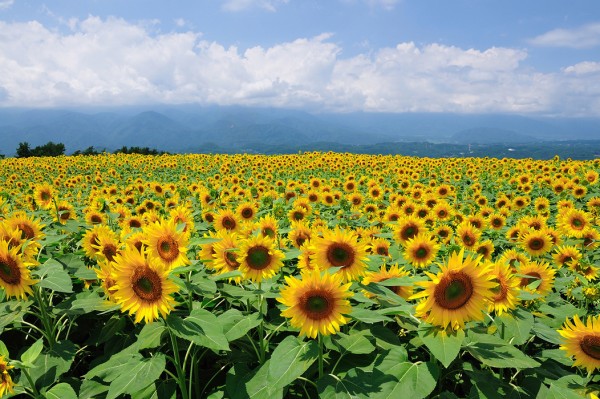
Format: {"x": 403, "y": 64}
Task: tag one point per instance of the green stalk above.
{"x": 180, "y": 372}
{"x": 261, "y": 328}
{"x": 36, "y": 393}
{"x": 44, "y": 317}
{"x": 320, "y": 339}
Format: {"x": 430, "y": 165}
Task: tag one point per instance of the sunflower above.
{"x": 442, "y": 211}
{"x": 507, "y": 290}
{"x": 182, "y": 215}
{"x": 6, "y": 382}
{"x": 267, "y": 226}
{"x": 65, "y": 211}
{"x": 460, "y": 292}
{"x": 259, "y": 259}
{"x": 443, "y": 233}
{"x": 566, "y": 255}
{"x": 379, "y": 246}
{"x": 537, "y": 277}
{"x": 142, "y": 286}
{"x": 405, "y": 291}
{"x": 104, "y": 274}
{"x": 467, "y": 235}
{"x": 166, "y": 243}
{"x": 316, "y": 303}
{"x": 582, "y": 341}
{"x": 574, "y": 222}
{"x": 14, "y": 274}
{"x": 304, "y": 259}
{"x": 513, "y": 258}
{"x": 536, "y": 243}
{"x": 225, "y": 255}
{"x": 296, "y": 214}
{"x": 485, "y": 249}
{"x": 30, "y": 228}
{"x": 108, "y": 246}
{"x": 43, "y": 195}
{"x": 340, "y": 248}
{"x": 90, "y": 240}
{"x": 421, "y": 250}
{"x": 247, "y": 210}
{"x": 408, "y": 227}
{"x": 94, "y": 217}
{"x": 226, "y": 220}
{"x": 299, "y": 234}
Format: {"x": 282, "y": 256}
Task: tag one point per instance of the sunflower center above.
{"x": 26, "y": 231}
{"x": 168, "y": 250}
{"x": 109, "y": 251}
{"x": 258, "y": 257}
{"x": 382, "y": 251}
{"x": 247, "y": 213}
{"x": 577, "y": 223}
{"x": 467, "y": 239}
{"x": 317, "y": 305}
{"x": 9, "y": 271}
{"x": 45, "y": 196}
{"x": 536, "y": 244}
{"x": 268, "y": 232}
{"x": 409, "y": 232}
{"x": 340, "y": 254}
{"x": 453, "y": 291}
{"x": 421, "y": 253}
{"x": 147, "y": 285}
{"x": 229, "y": 223}
{"x": 230, "y": 259}
{"x": 500, "y": 290}
{"x": 525, "y": 281}
{"x": 590, "y": 345}
{"x": 135, "y": 223}
{"x": 96, "y": 219}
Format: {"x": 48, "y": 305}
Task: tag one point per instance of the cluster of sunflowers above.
{"x": 447, "y": 242}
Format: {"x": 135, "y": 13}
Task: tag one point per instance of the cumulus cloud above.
{"x": 586, "y": 36}
{"x": 241, "y": 5}
{"x": 114, "y": 62}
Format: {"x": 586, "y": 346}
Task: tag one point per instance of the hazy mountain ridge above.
{"x": 186, "y": 128}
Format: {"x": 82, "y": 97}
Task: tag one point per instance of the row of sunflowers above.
{"x": 311, "y": 275}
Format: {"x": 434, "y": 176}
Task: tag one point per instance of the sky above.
{"x": 534, "y": 57}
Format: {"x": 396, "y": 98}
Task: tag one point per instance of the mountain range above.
{"x": 189, "y": 128}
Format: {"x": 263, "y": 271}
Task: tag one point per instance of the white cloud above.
{"x": 6, "y": 4}
{"x": 586, "y": 36}
{"x": 114, "y": 62}
{"x": 241, "y": 5}
{"x": 583, "y": 68}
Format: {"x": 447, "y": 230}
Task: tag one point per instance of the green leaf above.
{"x": 53, "y": 276}
{"x": 546, "y": 333}
{"x": 368, "y": 316}
{"x": 117, "y": 365}
{"x": 561, "y": 392}
{"x": 406, "y": 380}
{"x": 49, "y": 366}
{"x": 292, "y": 253}
{"x": 61, "y": 391}
{"x": 4, "y": 351}
{"x": 517, "y": 326}
{"x": 356, "y": 343}
{"x": 200, "y": 327}
{"x": 354, "y": 385}
{"x": 31, "y": 354}
{"x": 290, "y": 359}
{"x": 138, "y": 377}
{"x": 495, "y": 352}
{"x": 13, "y": 312}
{"x": 236, "y": 325}
{"x": 445, "y": 347}
{"x": 150, "y": 335}
{"x": 90, "y": 301}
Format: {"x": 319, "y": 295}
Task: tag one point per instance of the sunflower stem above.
{"x": 261, "y": 327}
{"x": 44, "y": 316}
{"x": 177, "y": 363}
{"x": 36, "y": 393}
{"x": 320, "y": 340}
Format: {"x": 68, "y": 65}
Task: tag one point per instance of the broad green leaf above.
{"x": 91, "y": 389}
{"x": 406, "y": 380}
{"x": 4, "y": 351}
{"x": 49, "y": 366}
{"x": 356, "y": 343}
{"x": 494, "y": 352}
{"x": 356, "y": 384}
{"x": 445, "y": 347}
{"x": 546, "y": 333}
{"x": 12, "y": 312}
{"x": 61, "y": 391}
{"x": 561, "y": 392}
{"x": 200, "y": 327}
{"x": 138, "y": 377}
{"x": 237, "y": 383}
{"x": 236, "y": 325}
{"x": 292, "y": 253}
{"x": 290, "y": 359}
{"x": 368, "y": 316}
{"x": 31, "y": 354}
{"x": 111, "y": 369}
{"x": 90, "y": 301}
{"x": 53, "y": 276}
{"x": 150, "y": 335}
{"x": 517, "y": 325}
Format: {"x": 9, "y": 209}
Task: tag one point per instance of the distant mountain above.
{"x": 187, "y": 128}
{"x": 490, "y": 135}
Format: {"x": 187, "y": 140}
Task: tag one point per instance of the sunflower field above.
{"x": 313, "y": 275}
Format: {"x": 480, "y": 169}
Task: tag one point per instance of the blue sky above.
{"x": 470, "y": 56}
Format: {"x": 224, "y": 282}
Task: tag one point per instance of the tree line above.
{"x": 51, "y": 149}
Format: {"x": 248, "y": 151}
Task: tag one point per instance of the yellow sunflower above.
{"x": 421, "y": 250}
{"x": 467, "y": 235}
{"x": 536, "y": 243}
{"x": 14, "y": 274}
{"x": 566, "y": 255}
{"x": 65, "y": 212}
{"x": 459, "y": 293}
{"x": 267, "y": 226}
{"x": 6, "y": 382}
{"x": 247, "y": 210}
{"x": 226, "y": 220}
{"x": 44, "y": 194}
{"x": 108, "y": 246}
{"x": 90, "y": 240}
{"x": 538, "y": 277}
{"x": 507, "y": 290}
{"x": 182, "y": 215}
{"x": 225, "y": 255}
{"x": 340, "y": 248}
{"x": 259, "y": 259}
{"x": 379, "y": 246}
{"x": 407, "y": 228}
{"x": 30, "y": 228}
{"x": 105, "y": 275}
{"x": 166, "y": 243}
{"x": 299, "y": 234}
{"x": 582, "y": 341}
{"x": 405, "y": 291}
{"x": 574, "y": 222}
{"x": 142, "y": 286}
{"x": 316, "y": 303}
